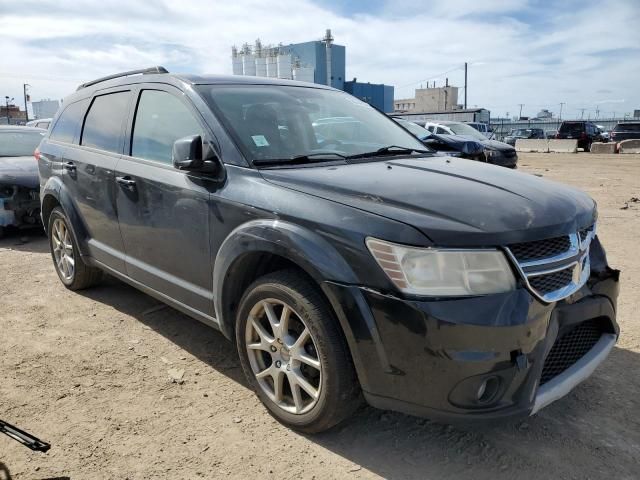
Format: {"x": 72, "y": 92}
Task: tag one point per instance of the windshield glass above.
{"x": 463, "y": 129}
{"x": 415, "y": 129}
{"x": 282, "y": 122}
{"x": 19, "y": 144}
{"x": 523, "y": 132}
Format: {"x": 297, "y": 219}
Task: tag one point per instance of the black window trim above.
{"x": 102, "y": 93}
{"x": 130, "y": 124}
{"x": 76, "y": 137}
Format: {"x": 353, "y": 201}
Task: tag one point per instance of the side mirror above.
{"x": 192, "y": 154}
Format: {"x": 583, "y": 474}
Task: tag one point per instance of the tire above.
{"x": 72, "y": 271}
{"x": 337, "y": 389}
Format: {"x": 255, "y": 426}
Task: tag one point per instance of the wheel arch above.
{"x": 262, "y": 246}
{"x": 55, "y": 194}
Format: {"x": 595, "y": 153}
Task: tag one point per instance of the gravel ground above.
{"x": 88, "y": 372}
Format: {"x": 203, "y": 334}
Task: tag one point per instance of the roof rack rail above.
{"x": 143, "y": 71}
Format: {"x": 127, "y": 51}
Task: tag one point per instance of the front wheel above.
{"x": 293, "y": 353}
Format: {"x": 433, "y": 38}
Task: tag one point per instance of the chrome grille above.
{"x": 554, "y": 268}
{"x": 540, "y": 249}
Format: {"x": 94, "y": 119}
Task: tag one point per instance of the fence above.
{"x": 501, "y": 129}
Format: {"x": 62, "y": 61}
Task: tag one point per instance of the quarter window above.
{"x": 103, "y": 124}
{"x": 161, "y": 119}
{"x": 67, "y": 125}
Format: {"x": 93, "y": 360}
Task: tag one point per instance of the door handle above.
{"x": 126, "y": 182}
{"x": 69, "y": 166}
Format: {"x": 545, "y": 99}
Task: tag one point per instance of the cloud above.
{"x": 518, "y": 51}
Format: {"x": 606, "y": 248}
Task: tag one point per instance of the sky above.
{"x": 584, "y": 54}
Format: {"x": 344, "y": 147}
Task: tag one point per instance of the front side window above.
{"x": 68, "y": 124}
{"x": 161, "y": 119}
{"x": 104, "y": 122}
{"x": 283, "y": 122}
{"x": 19, "y": 144}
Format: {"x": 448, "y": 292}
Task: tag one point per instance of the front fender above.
{"x": 310, "y": 251}
{"x": 55, "y": 189}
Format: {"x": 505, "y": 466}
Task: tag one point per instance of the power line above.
{"x": 431, "y": 78}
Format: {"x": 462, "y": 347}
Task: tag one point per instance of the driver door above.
{"x": 162, "y": 211}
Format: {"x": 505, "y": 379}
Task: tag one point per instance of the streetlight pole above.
{"x": 6, "y": 98}
{"x": 26, "y": 98}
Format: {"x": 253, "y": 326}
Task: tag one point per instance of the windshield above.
{"x": 523, "y": 132}
{"x": 283, "y": 122}
{"x": 415, "y": 129}
{"x": 19, "y": 144}
{"x": 463, "y": 129}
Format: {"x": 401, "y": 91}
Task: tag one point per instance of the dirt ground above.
{"x": 88, "y": 372}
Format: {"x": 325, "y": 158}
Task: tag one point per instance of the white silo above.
{"x": 284, "y": 66}
{"x": 272, "y": 65}
{"x": 248, "y": 64}
{"x": 236, "y": 62}
{"x": 261, "y": 61}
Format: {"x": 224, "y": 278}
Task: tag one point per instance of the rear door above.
{"x": 90, "y": 174}
{"x": 163, "y": 212}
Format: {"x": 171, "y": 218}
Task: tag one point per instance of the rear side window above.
{"x": 161, "y": 119}
{"x": 104, "y": 122}
{"x": 627, "y": 127}
{"x": 68, "y": 124}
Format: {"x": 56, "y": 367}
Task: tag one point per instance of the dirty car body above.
{"x": 462, "y": 289}
{"x": 19, "y": 185}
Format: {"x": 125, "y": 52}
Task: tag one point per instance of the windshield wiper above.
{"x": 299, "y": 159}
{"x": 389, "y": 150}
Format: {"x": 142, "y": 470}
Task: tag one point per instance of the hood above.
{"x": 21, "y": 171}
{"x": 496, "y": 145}
{"x": 454, "y": 202}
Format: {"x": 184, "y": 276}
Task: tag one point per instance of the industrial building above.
{"x": 480, "y": 115}
{"x": 320, "y": 61}
{"x": 45, "y": 108}
{"x": 430, "y": 99}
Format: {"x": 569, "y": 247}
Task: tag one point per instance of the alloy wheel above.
{"x": 283, "y": 356}
{"x": 63, "y": 249}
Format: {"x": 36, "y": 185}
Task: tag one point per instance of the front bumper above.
{"x": 431, "y": 358}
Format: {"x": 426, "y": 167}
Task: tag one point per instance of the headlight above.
{"x": 491, "y": 153}
{"x": 443, "y": 272}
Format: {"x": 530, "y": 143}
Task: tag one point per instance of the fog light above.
{"x": 488, "y": 389}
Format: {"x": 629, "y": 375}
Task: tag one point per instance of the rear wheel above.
{"x": 69, "y": 265}
{"x": 293, "y": 353}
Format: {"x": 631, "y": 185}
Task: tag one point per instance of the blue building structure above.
{"x": 319, "y": 61}
{"x": 375, "y": 94}
{"x": 314, "y": 54}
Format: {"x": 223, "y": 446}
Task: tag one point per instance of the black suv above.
{"x": 585, "y": 132}
{"x": 344, "y": 260}
{"x": 625, "y": 131}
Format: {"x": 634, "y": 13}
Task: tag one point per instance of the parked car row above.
{"x": 461, "y": 140}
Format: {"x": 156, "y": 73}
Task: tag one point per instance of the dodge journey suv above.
{"x": 347, "y": 263}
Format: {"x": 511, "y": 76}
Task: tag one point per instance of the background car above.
{"x": 524, "y": 133}
{"x": 585, "y": 132}
{"x": 19, "y": 185}
{"x": 483, "y": 128}
{"x": 487, "y": 150}
{"x": 40, "y": 123}
{"x": 625, "y": 131}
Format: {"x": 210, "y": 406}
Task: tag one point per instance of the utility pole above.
{"x": 465, "y": 85}
{"x": 6, "y": 98}
{"x": 582, "y": 113}
{"x": 26, "y": 99}
{"x": 521, "y": 105}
